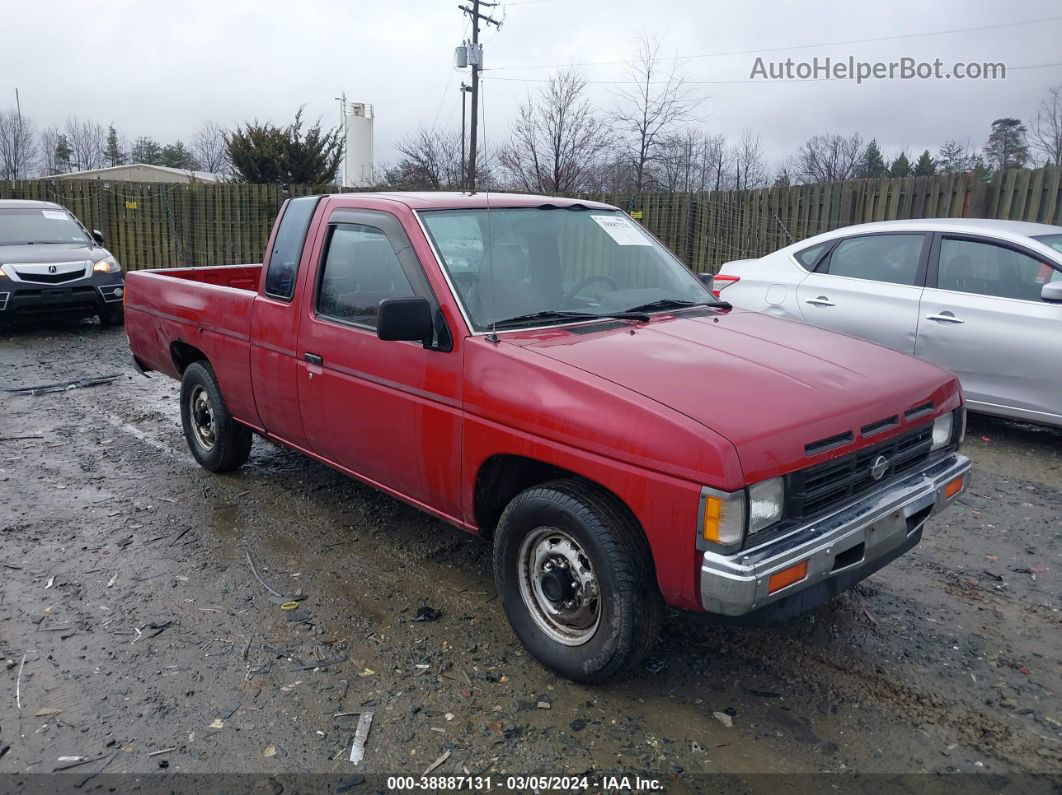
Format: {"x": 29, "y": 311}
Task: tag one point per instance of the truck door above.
{"x": 387, "y": 412}
{"x": 275, "y": 325}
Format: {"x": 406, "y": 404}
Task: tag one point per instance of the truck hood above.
{"x": 770, "y": 386}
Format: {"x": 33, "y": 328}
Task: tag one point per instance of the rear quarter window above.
{"x": 809, "y": 256}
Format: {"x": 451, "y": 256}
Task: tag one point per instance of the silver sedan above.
{"x": 982, "y": 298}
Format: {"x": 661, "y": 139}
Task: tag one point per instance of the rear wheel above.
{"x": 576, "y": 580}
{"x": 217, "y": 441}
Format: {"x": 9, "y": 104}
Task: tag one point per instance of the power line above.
{"x": 796, "y": 46}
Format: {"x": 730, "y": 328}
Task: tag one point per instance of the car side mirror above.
{"x": 1052, "y": 292}
{"x": 405, "y": 319}
{"x": 97, "y": 235}
{"x": 706, "y": 278}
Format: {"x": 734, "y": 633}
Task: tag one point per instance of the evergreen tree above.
{"x": 926, "y": 166}
{"x": 901, "y": 166}
{"x": 147, "y": 150}
{"x": 265, "y": 153}
{"x": 113, "y": 152}
{"x": 64, "y": 155}
{"x": 872, "y": 165}
{"x": 176, "y": 155}
{"x": 952, "y": 157}
{"x": 1007, "y": 147}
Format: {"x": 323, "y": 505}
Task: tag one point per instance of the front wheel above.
{"x": 217, "y": 441}
{"x": 576, "y": 580}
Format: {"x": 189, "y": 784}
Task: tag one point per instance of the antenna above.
{"x": 493, "y": 336}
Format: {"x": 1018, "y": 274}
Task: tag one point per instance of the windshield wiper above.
{"x": 553, "y": 314}
{"x": 677, "y": 303}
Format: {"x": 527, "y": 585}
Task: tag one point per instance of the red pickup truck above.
{"x": 543, "y": 373}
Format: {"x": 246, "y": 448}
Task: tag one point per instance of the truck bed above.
{"x": 208, "y": 309}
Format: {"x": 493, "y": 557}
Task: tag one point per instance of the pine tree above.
{"x": 926, "y": 166}
{"x": 113, "y": 152}
{"x": 64, "y": 155}
{"x": 265, "y": 153}
{"x": 872, "y": 165}
{"x": 901, "y": 166}
{"x": 147, "y": 150}
{"x": 176, "y": 155}
{"x": 952, "y": 158}
{"x": 1007, "y": 147}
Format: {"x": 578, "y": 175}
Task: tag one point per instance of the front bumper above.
{"x": 82, "y": 297}
{"x": 840, "y": 548}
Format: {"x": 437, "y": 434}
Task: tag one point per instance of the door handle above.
{"x": 313, "y": 358}
{"x": 820, "y": 301}
{"x": 945, "y": 317}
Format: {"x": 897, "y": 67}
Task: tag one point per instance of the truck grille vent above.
{"x": 593, "y": 328}
{"x": 830, "y": 442}
{"x": 919, "y": 410}
{"x": 816, "y": 489}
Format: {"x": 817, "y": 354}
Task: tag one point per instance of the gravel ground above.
{"x": 135, "y": 634}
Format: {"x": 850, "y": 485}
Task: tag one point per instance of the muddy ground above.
{"x": 131, "y": 622}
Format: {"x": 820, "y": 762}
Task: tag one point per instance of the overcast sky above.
{"x": 162, "y": 68}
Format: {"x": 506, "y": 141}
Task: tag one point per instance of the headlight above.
{"x": 107, "y": 265}
{"x": 766, "y": 500}
{"x": 942, "y": 427}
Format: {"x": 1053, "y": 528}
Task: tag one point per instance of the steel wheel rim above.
{"x": 201, "y": 418}
{"x": 571, "y": 622}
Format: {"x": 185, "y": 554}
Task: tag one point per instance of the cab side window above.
{"x": 880, "y": 258}
{"x": 983, "y": 268}
{"x": 360, "y": 270}
{"x": 287, "y": 247}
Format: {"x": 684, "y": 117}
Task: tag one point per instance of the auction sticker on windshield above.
{"x": 54, "y": 215}
{"x": 624, "y": 232}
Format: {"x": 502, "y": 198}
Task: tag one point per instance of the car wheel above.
{"x": 112, "y": 317}
{"x": 217, "y": 441}
{"x": 576, "y": 580}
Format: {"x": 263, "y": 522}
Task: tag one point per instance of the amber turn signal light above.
{"x": 787, "y": 577}
{"x": 954, "y": 487}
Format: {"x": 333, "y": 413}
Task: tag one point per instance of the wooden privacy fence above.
{"x": 155, "y": 225}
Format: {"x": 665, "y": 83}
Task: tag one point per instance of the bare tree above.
{"x": 209, "y": 149}
{"x": 718, "y": 162}
{"x": 1045, "y": 131}
{"x": 88, "y": 143}
{"x": 657, "y": 102}
{"x": 829, "y": 157}
{"x": 49, "y": 142}
{"x": 431, "y": 159}
{"x": 750, "y": 171}
{"x": 556, "y": 140}
{"x": 18, "y": 145}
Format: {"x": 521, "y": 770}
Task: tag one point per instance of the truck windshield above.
{"x": 541, "y": 265}
{"x": 45, "y": 225}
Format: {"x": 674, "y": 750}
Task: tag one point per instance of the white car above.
{"x": 980, "y": 297}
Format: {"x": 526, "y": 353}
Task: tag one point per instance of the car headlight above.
{"x": 107, "y": 265}
{"x": 766, "y": 501}
{"x": 942, "y": 428}
{"x": 722, "y": 518}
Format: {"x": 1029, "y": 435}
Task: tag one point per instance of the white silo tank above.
{"x": 357, "y": 158}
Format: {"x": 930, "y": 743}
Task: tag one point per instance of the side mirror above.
{"x": 97, "y": 235}
{"x": 1052, "y": 292}
{"x": 706, "y": 278}
{"x": 405, "y": 319}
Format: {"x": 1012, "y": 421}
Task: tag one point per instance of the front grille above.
{"x": 819, "y": 488}
{"x": 51, "y": 278}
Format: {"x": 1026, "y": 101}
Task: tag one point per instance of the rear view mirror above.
{"x": 97, "y": 235}
{"x": 1052, "y": 292}
{"x": 405, "y": 319}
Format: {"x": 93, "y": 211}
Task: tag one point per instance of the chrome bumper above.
{"x": 882, "y": 522}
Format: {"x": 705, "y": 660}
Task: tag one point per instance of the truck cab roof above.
{"x": 453, "y": 200}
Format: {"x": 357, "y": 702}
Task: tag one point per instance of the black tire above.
{"x": 231, "y": 441}
{"x": 631, "y": 609}
{"x": 112, "y": 317}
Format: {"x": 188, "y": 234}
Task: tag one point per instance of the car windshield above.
{"x": 39, "y": 225}
{"x": 541, "y": 265}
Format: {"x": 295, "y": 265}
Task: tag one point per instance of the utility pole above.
{"x": 475, "y": 60}
{"x": 464, "y": 91}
